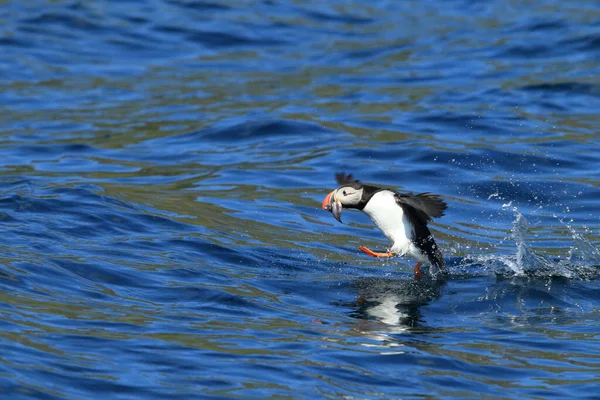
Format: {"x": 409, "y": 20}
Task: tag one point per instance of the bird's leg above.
{"x": 374, "y": 253}
{"x": 418, "y": 272}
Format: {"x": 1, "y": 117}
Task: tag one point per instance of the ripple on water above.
{"x": 163, "y": 165}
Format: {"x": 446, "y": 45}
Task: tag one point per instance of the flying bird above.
{"x": 402, "y": 217}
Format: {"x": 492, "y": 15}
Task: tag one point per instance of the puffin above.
{"x": 402, "y": 217}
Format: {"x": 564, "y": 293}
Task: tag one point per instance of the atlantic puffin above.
{"x": 402, "y": 217}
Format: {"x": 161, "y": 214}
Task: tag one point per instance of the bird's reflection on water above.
{"x": 386, "y": 307}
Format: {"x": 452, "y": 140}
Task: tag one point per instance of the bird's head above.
{"x": 351, "y": 194}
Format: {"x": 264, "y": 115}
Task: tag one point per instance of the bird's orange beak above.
{"x": 334, "y": 206}
{"x": 327, "y": 202}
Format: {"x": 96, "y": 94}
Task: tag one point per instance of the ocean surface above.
{"x": 163, "y": 164}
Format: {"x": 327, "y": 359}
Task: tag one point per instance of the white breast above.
{"x": 390, "y": 218}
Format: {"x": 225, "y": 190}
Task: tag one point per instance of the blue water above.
{"x": 163, "y": 163}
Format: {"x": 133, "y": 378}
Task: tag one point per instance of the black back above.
{"x": 423, "y": 238}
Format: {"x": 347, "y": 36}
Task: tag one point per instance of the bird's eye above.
{"x": 344, "y": 193}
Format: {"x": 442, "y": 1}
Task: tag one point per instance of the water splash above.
{"x": 582, "y": 252}
{"x": 582, "y": 261}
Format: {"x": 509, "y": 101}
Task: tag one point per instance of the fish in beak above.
{"x": 333, "y": 205}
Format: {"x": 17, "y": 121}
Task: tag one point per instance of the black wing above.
{"x": 421, "y": 208}
{"x": 426, "y": 205}
{"x": 343, "y": 179}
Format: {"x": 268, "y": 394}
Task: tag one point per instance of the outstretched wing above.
{"x": 421, "y": 208}
{"x": 343, "y": 179}
{"x": 426, "y": 205}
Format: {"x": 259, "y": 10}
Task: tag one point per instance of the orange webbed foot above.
{"x": 418, "y": 272}
{"x": 374, "y": 253}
